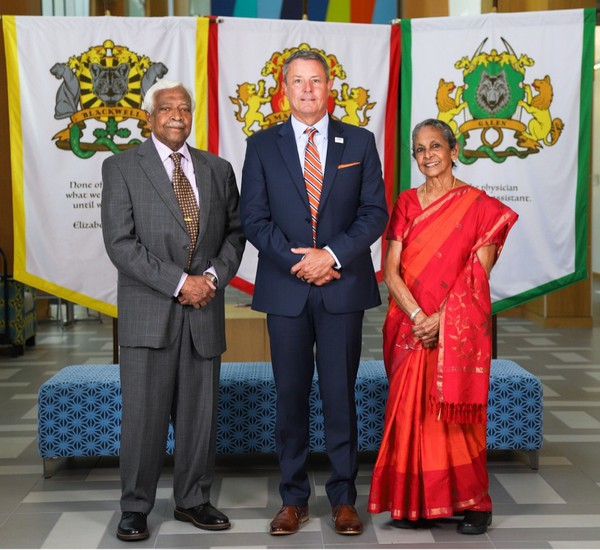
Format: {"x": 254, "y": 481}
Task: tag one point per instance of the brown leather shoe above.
{"x": 289, "y": 519}
{"x": 346, "y": 520}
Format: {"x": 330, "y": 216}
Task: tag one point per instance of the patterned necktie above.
{"x": 187, "y": 203}
{"x": 313, "y": 178}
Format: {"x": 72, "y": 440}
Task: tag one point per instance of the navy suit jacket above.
{"x": 275, "y": 217}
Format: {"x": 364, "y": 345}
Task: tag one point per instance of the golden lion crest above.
{"x": 253, "y": 100}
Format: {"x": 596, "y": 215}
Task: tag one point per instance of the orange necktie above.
{"x": 313, "y": 178}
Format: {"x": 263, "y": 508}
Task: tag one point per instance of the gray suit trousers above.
{"x": 157, "y": 384}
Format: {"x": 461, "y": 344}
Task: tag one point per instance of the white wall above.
{"x": 464, "y": 7}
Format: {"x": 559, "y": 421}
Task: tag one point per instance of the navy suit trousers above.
{"x": 337, "y": 340}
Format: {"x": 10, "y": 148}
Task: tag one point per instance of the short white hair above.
{"x": 163, "y": 84}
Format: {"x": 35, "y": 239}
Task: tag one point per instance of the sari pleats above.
{"x": 432, "y": 459}
{"x": 426, "y": 468}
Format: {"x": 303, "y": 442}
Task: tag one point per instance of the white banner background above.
{"x": 246, "y": 45}
{"x": 540, "y": 188}
{"x": 59, "y": 257}
{"x": 51, "y": 254}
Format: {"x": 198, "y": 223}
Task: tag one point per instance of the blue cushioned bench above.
{"x": 79, "y": 411}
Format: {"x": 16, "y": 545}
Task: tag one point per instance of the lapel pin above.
{"x": 339, "y": 139}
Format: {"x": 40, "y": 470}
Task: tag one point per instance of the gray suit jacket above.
{"x": 146, "y": 239}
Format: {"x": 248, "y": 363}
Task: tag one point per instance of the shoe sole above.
{"x": 355, "y": 532}
{"x": 180, "y": 516}
{"x": 137, "y": 536}
{"x": 302, "y": 521}
{"x": 473, "y": 531}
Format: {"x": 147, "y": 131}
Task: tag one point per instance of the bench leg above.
{"x": 534, "y": 459}
{"x": 50, "y": 466}
{"x": 46, "y": 468}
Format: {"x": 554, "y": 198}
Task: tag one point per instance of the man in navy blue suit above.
{"x": 315, "y": 277}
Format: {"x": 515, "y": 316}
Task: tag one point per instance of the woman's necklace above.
{"x": 427, "y": 191}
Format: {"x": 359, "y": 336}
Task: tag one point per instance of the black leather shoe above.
{"x": 475, "y": 523}
{"x": 203, "y": 516}
{"x": 133, "y": 526}
{"x": 405, "y": 523}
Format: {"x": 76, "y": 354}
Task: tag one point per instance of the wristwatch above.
{"x": 212, "y": 278}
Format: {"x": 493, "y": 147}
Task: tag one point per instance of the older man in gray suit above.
{"x": 173, "y": 267}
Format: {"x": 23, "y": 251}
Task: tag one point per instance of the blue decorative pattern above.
{"x": 515, "y": 408}
{"x": 80, "y": 410}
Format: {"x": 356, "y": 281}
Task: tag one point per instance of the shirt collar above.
{"x": 321, "y": 126}
{"x": 164, "y": 152}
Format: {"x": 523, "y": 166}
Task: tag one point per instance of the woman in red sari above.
{"x": 444, "y": 238}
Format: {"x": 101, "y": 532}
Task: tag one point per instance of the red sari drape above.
{"x": 432, "y": 459}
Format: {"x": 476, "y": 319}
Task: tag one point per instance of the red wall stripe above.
{"x": 391, "y": 118}
{"x": 213, "y": 87}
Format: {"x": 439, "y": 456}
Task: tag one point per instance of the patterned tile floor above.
{"x": 557, "y": 506}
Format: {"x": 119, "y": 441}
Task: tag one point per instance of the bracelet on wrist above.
{"x": 414, "y": 314}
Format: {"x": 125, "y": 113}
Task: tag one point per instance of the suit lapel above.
{"x": 158, "y": 177}
{"x": 204, "y": 184}
{"x": 335, "y": 147}
{"x": 289, "y": 152}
